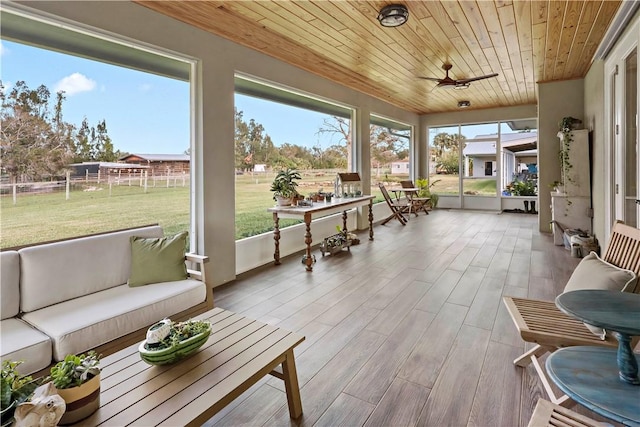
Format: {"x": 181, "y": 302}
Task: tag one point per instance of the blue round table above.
{"x": 602, "y": 379}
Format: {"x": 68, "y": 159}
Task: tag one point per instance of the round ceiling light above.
{"x": 393, "y": 15}
{"x": 464, "y": 104}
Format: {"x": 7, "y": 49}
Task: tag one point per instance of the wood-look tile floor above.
{"x": 408, "y": 329}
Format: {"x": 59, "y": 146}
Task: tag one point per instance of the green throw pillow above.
{"x": 155, "y": 260}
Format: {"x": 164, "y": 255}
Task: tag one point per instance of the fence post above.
{"x": 145, "y": 181}
{"x": 86, "y": 175}
{"x": 67, "y": 185}
{"x": 141, "y": 177}
{"x": 183, "y": 178}
{"x": 15, "y": 193}
{"x": 110, "y": 184}
{"x": 119, "y": 172}
{"x": 168, "y": 178}
{"x": 98, "y": 175}
{"x": 129, "y": 178}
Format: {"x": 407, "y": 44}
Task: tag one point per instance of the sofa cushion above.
{"x": 159, "y": 259}
{"x": 20, "y": 341}
{"x": 55, "y": 272}
{"x": 92, "y": 320}
{"x": 595, "y": 273}
{"x": 10, "y": 284}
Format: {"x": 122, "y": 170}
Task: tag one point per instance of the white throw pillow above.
{"x": 595, "y": 273}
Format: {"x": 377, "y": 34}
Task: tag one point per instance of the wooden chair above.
{"x": 541, "y": 322}
{"x": 417, "y": 203}
{"x": 548, "y": 414}
{"x": 397, "y": 208}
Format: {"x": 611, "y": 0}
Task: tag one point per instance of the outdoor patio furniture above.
{"x": 549, "y": 414}
{"x": 417, "y": 203}
{"x": 543, "y": 323}
{"x": 397, "y": 207}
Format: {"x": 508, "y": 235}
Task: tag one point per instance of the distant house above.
{"x": 161, "y": 164}
{"x": 399, "y": 168}
{"x": 86, "y": 169}
{"x": 519, "y": 153}
{"x": 260, "y": 168}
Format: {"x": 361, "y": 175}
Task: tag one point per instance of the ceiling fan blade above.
{"x": 433, "y": 79}
{"x": 473, "y": 79}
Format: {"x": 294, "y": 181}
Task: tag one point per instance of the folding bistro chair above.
{"x": 417, "y": 203}
{"x": 541, "y": 322}
{"x": 397, "y": 207}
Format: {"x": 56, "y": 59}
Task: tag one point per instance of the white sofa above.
{"x": 73, "y": 297}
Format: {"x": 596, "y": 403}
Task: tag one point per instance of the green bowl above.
{"x": 173, "y": 354}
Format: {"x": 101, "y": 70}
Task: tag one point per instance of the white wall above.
{"x": 555, "y": 101}
{"x": 218, "y": 59}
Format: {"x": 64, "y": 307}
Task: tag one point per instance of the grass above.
{"x": 48, "y": 216}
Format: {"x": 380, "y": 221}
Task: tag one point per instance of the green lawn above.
{"x": 43, "y": 217}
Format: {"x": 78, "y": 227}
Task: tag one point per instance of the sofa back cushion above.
{"x": 60, "y": 271}
{"x": 10, "y": 282}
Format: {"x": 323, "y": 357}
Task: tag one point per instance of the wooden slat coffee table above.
{"x": 239, "y": 352}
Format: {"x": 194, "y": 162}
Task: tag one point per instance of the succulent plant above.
{"x": 14, "y": 389}
{"x": 75, "y": 370}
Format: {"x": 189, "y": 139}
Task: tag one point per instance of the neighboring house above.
{"x": 260, "y": 168}
{"x": 519, "y": 150}
{"x": 161, "y": 164}
{"x": 399, "y": 168}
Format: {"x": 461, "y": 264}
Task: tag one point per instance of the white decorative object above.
{"x": 44, "y": 410}
{"x": 159, "y": 331}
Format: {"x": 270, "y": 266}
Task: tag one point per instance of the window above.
{"x": 118, "y": 153}
{"x": 277, "y": 129}
{"x": 390, "y": 145}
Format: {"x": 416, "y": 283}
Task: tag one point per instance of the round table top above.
{"x": 589, "y": 375}
{"x": 612, "y": 310}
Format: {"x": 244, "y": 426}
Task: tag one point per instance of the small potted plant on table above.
{"x": 14, "y": 389}
{"x": 168, "y": 341}
{"x": 284, "y": 186}
{"x": 77, "y": 379}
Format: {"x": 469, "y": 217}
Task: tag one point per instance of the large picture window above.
{"x": 90, "y": 145}
{"x": 275, "y": 130}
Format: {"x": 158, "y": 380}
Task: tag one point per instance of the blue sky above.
{"x": 145, "y": 113}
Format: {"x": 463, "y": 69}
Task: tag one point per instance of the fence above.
{"x": 95, "y": 182}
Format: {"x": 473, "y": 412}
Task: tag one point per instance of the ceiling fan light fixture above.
{"x": 393, "y": 15}
{"x": 464, "y": 104}
{"x": 461, "y": 86}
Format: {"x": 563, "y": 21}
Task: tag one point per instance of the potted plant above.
{"x": 14, "y": 389}
{"x": 284, "y": 186}
{"x": 168, "y": 341}
{"x": 77, "y": 379}
{"x": 425, "y": 190}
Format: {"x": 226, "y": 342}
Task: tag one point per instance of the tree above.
{"x": 386, "y": 144}
{"x": 447, "y": 149}
{"x": 36, "y": 142}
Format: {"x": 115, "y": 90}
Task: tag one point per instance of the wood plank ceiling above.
{"x": 526, "y": 42}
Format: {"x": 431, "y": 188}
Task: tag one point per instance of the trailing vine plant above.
{"x": 566, "y": 137}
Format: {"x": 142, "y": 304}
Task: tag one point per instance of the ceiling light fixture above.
{"x": 464, "y": 104}
{"x": 393, "y": 15}
{"x": 461, "y": 86}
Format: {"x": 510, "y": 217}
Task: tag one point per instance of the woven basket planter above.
{"x": 173, "y": 354}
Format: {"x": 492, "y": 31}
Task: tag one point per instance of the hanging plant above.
{"x": 566, "y": 126}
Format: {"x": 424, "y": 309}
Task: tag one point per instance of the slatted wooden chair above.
{"x": 541, "y": 322}
{"x": 548, "y": 414}
{"x": 417, "y": 203}
{"x": 397, "y": 207}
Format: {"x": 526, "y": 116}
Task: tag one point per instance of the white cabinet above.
{"x": 572, "y": 209}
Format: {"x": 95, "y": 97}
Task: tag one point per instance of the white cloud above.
{"x": 3, "y": 49}
{"x": 145, "y": 87}
{"x": 75, "y": 83}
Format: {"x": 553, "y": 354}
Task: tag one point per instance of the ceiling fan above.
{"x": 456, "y": 84}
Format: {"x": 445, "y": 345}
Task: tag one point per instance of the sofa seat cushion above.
{"x": 86, "y": 322}
{"x": 21, "y": 341}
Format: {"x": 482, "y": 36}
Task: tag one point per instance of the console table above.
{"x": 319, "y": 209}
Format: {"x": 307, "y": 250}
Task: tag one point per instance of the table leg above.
{"x": 307, "y": 239}
{"x": 276, "y": 238}
{"x": 291, "y": 385}
{"x": 370, "y": 219}
{"x": 344, "y": 221}
{"x": 627, "y": 363}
